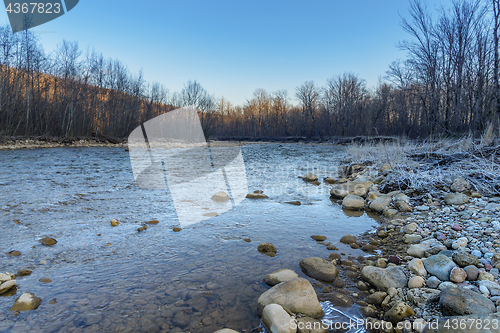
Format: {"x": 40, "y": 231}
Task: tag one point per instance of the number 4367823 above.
{"x": 34, "y": 7}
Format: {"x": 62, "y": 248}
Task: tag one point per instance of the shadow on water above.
{"x": 201, "y": 279}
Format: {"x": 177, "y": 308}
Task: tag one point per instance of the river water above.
{"x": 204, "y": 278}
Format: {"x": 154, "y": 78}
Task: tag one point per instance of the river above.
{"x": 116, "y": 279}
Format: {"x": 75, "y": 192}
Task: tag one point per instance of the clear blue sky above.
{"x": 233, "y": 47}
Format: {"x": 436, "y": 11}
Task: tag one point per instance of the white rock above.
{"x": 460, "y": 242}
{"x": 277, "y": 320}
{"x": 279, "y": 276}
{"x": 418, "y": 250}
{"x": 417, "y": 267}
{"x": 493, "y": 287}
{"x": 6, "y": 286}
{"x": 446, "y": 284}
{"x": 4, "y": 277}
{"x": 484, "y": 290}
{"x": 410, "y": 228}
{"x": 416, "y": 282}
{"x": 26, "y": 302}
{"x": 411, "y": 238}
{"x": 419, "y": 324}
{"x": 221, "y": 197}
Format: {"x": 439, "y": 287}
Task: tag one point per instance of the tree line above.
{"x": 448, "y": 84}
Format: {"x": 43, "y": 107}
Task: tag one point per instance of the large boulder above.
{"x": 26, "y": 302}
{"x": 440, "y": 266}
{"x": 456, "y": 199}
{"x": 277, "y": 320}
{"x": 384, "y": 278}
{"x": 296, "y": 295}
{"x": 461, "y": 301}
{"x": 353, "y": 202}
{"x": 279, "y": 276}
{"x": 319, "y": 268}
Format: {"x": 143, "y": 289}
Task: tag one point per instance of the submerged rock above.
{"x": 24, "y": 272}
{"x": 296, "y": 295}
{"x": 266, "y": 248}
{"x": 318, "y": 238}
{"x": 310, "y": 178}
{"x": 47, "y": 241}
{"x": 114, "y": 223}
{"x": 336, "y": 298}
{"x": 26, "y": 302}
{"x": 348, "y": 239}
{"x": 221, "y": 197}
{"x": 257, "y": 196}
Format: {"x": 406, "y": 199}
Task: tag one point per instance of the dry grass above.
{"x": 429, "y": 175}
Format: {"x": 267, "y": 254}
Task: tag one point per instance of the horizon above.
{"x": 274, "y": 46}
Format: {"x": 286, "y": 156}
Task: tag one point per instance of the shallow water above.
{"x": 201, "y": 279}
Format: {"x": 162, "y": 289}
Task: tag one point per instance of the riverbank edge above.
{"x": 396, "y": 227}
{"x": 38, "y": 142}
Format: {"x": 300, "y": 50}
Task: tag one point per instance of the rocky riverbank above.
{"x": 11, "y": 143}
{"x": 432, "y": 265}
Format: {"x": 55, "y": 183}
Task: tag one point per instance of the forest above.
{"x": 447, "y": 85}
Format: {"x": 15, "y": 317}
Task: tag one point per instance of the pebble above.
{"x": 416, "y": 282}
